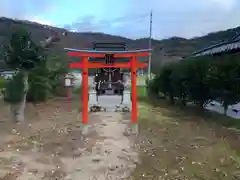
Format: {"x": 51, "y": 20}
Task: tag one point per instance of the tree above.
{"x": 23, "y": 55}
{"x": 163, "y": 81}
{"x": 57, "y": 68}
{"x": 2, "y": 84}
{"x": 198, "y": 80}
{"x": 179, "y": 82}
{"x": 201, "y": 80}
{"x": 39, "y": 84}
{"x": 226, "y": 80}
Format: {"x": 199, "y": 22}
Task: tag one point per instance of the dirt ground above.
{"x": 51, "y": 144}
{"x": 177, "y": 146}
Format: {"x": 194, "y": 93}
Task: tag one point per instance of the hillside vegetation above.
{"x": 166, "y": 50}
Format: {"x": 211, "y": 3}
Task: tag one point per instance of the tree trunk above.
{"x": 19, "y": 109}
{"x": 171, "y": 98}
{"x": 201, "y": 105}
{"x": 225, "y": 106}
{"x": 183, "y": 99}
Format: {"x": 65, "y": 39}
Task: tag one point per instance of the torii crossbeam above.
{"x": 84, "y": 64}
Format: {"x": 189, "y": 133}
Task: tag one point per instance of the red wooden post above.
{"x": 85, "y": 90}
{"x": 134, "y": 89}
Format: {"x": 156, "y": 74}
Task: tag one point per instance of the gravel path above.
{"x": 112, "y": 157}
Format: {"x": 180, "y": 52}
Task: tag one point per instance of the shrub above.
{"x": 14, "y": 89}
{"x": 2, "y": 83}
{"x": 200, "y": 80}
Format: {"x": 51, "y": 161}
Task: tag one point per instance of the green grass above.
{"x": 77, "y": 89}
{"x": 141, "y": 92}
{"x": 141, "y": 79}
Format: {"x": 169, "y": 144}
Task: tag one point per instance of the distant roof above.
{"x": 6, "y": 70}
{"x": 224, "y": 46}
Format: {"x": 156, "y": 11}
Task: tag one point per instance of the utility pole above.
{"x": 150, "y": 46}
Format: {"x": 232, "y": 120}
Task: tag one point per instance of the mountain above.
{"x": 165, "y": 50}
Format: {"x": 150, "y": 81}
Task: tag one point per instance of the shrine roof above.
{"x": 224, "y": 46}
{"x": 107, "y": 51}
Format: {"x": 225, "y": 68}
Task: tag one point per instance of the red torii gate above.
{"x": 133, "y": 64}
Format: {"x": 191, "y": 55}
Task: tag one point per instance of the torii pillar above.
{"x": 84, "y": 64}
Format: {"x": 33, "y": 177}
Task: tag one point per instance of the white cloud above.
{"x": 25, "y": 9}
{"x": 225, "y": 4}
{"x": 41, "y": 21}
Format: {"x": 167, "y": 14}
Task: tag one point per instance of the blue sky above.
{"x": 129, "y": 18}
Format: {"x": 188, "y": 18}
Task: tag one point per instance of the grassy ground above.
{"x": 183, "y": 144}
{"x": 141, "y": 79}
{"x": 141, "y": 92}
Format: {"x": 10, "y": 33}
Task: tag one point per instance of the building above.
{"x": 224, "y": 47}
{"x": 7, "y": 74}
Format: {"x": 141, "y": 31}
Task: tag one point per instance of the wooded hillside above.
{"x": 165, "y": 50}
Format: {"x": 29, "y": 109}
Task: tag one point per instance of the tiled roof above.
{"x": 225, "y": 46}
